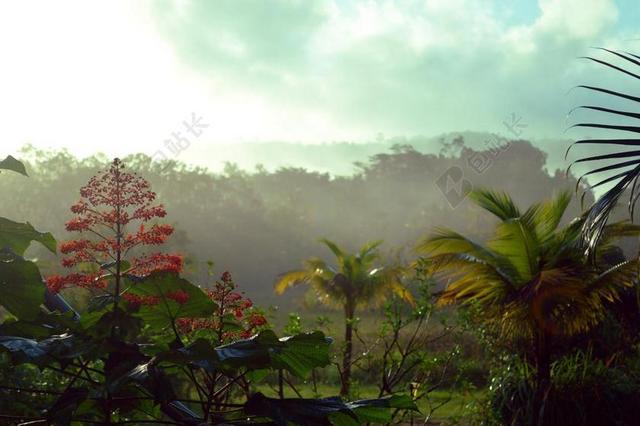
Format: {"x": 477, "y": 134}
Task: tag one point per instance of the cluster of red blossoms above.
{"x": 110, "y": 204}
{"x": 229, "y": 302}
{"x": 179, "y": 296}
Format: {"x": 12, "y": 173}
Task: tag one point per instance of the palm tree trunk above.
{"x": 349, "y": 311}
{"x": 543, "y": 376}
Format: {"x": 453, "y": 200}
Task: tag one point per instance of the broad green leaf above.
{"x": 325, "y": 411}
{"x": 299, "y": 411}
{"x": 10, "y": 163}
{"x": 298, "y": 354}
{"x": 252, "y": 353}
{"x": 231, "y": 323}
{"x": 18, "y": 236}
{"x": 44, "y": 325}
{"x": 21, "y": 287}
{"x": 257, "y": 376}
{"x": 108, "y": 323}
{"x": 60, "y": 347}
{"x": 199, "y": 353}
{"x": 167, "y": 310}
{"x": 302, "y": 353}
{"x": 380, "y": 410}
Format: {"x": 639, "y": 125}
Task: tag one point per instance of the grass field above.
{"x": 447, "y": 407}
{"x": 443, "y": 406}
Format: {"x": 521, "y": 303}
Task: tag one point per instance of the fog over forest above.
{"x": 258, "y": 223}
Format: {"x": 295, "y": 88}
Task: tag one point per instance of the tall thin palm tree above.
{"x": 358, "y": 280}
{"x": 530, "y": 280}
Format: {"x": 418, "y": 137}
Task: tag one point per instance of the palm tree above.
{"x": 358, "y": 281}
{"x": 531, "y": 281}
{"x": 617, "y": 162}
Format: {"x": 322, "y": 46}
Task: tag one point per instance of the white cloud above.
{"x": 120, "y": 76}
{"x": 576, "y": 18}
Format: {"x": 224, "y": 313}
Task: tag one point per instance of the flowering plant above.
{"x": 235, "y": 317}
{"x": 111, "y": 217}
{"x": 134, "y": 366}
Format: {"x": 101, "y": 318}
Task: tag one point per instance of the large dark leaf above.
{"x": 121, "y": 359}
{"x": 10, "y": 163}
{"x": 298, "y": 354}
{"x": 326, "y": 411}
{"x": 18, "y": 236}
{"x": 110, "y": 323}
{"x": 625, "y": 164}
{"x": 61, "y": 412}
{"x": 155, "y": 380}
{"x": 43, "y": 326}
{"x": 59, "y": 348}
{"x": 168, "y": 310}
{"x": 379, "y": 410}
{"x": 311, "y": 412}
{"x": 21, "y": 288}
{"x": 200, "y": 353}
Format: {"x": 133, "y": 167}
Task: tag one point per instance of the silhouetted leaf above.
{"x": 18, "y": 236}
{"x": 42, "y": 326}
{"x": 298, "y": 354}
{"x": 326, "y": 411}
{"x": 599, "y": 212}
{"x": 380, "y": 410}
{"x": 153, "y": 379}
{"x": 21, "y": 288}
{"x": 59, "y": 348}
{"x": 62, "y": 410}
{"x": 167, "y": 310}
{"x": 200, "y": 353}
{"x": 10, "y": 163}
{"x": 311, "y": 412}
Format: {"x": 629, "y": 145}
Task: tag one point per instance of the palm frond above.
{"x": 445, "y": 241}
{"x": 369, "y": 249}
{"x": 549, "y": 214}
{"x": 328, "y": 292}
{"x": 498, "y": 203}
{"x": 518, "y": 243}
{"x": 391, "y": 281}
{"x": 337, "y": 251}
{"x": 290, "y": 279}
{"x": 318, "y": 266}
{"x": 599, "y": 212}
{"x": 608, "y": 283}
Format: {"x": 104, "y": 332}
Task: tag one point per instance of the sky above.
{"x": 158, "y": 76}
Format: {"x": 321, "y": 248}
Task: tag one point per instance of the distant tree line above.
{"x": 260, "y": 224}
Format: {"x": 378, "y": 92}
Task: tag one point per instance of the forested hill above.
{"x": 338, "y": 158}
{"x": 260, "y": 223}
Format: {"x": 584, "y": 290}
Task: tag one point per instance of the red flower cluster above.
{"x": 180, "y": 296}
{"x": 229, "y": 302}
{"x": 136, "y": 301}
{"x": 55, "y": 283}
{"x": 109, "y": 203}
